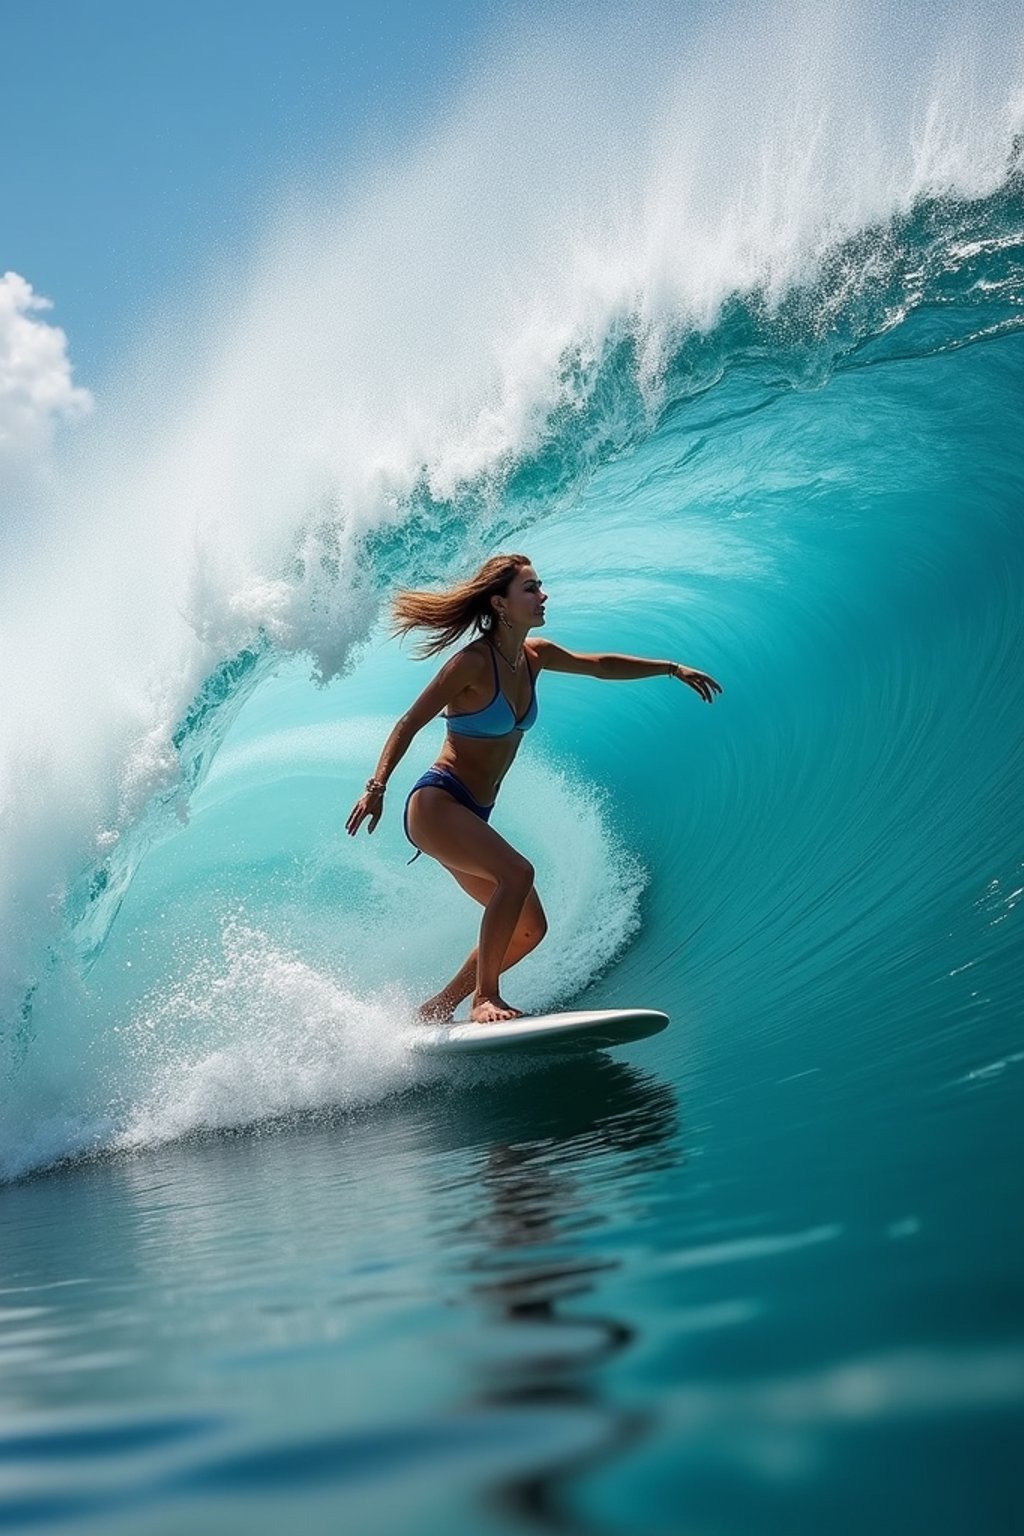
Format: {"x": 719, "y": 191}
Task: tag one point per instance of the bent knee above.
{"x": 517, "y": 873}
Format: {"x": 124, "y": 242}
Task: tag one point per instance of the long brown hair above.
{"x": 462, "y": 607}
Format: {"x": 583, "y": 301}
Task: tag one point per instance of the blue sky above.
{"x": 143, "y": 137}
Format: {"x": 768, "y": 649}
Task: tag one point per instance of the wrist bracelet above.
{"x": 375, "y": 786}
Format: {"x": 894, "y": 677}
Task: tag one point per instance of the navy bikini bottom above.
{"x": 443, "y": 778}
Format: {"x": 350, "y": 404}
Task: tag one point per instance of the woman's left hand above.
{"x": 700, "y": 682}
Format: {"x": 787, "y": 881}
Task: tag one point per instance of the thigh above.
{"x": 460, "y": 840}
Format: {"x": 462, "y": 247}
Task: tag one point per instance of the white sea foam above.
{"x": 255, "y": 1032}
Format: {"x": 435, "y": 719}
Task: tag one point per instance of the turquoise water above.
{"x": 760, "y": 1273}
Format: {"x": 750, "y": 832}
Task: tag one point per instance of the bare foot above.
{"x": 490, "y": 1010}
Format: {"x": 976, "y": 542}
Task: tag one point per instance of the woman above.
{"x": 488, "y": 692}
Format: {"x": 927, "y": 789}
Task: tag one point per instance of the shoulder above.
{"x": 476, "y": 656}
{"x": 469, "y": 665}
{"x": 540, "y": 651}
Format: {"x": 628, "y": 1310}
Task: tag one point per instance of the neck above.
{"x": 509, "y": 641}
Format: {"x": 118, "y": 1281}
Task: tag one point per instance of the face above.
{"x": 523, "y": 603}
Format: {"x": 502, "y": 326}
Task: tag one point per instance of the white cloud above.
{"x": 35, "y": 376}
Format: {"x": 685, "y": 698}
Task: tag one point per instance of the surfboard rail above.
{"x": 592, "y": 1029}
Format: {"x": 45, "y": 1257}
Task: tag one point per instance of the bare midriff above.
{"x": 481, "y": 762}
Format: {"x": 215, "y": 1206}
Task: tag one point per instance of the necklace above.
{"x": 512, "y": 665}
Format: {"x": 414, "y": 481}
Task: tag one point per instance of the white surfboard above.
{"x": 597, "y": 1029}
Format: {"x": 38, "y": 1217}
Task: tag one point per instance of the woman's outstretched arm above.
{"x": 612, "y": 667}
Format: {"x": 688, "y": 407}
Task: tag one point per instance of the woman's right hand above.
{"x": 369, "y": 804}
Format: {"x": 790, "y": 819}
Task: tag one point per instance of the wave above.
{"x": 448, "y": 361}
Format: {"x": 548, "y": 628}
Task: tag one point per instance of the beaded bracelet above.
{"x": 374, "y": 786}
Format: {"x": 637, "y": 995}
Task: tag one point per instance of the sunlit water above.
{"x": 260, "y": 1264}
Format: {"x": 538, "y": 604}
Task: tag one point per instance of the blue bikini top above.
{"x": 496, "y": 718}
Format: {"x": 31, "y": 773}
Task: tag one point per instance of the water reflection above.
{"x": 250, "y": 1299}
{"x": 537, "y": 1258}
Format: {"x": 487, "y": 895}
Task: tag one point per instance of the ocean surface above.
{"x": 747, "y": 389}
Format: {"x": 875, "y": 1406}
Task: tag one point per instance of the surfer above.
{"x": 488, "y": 692}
